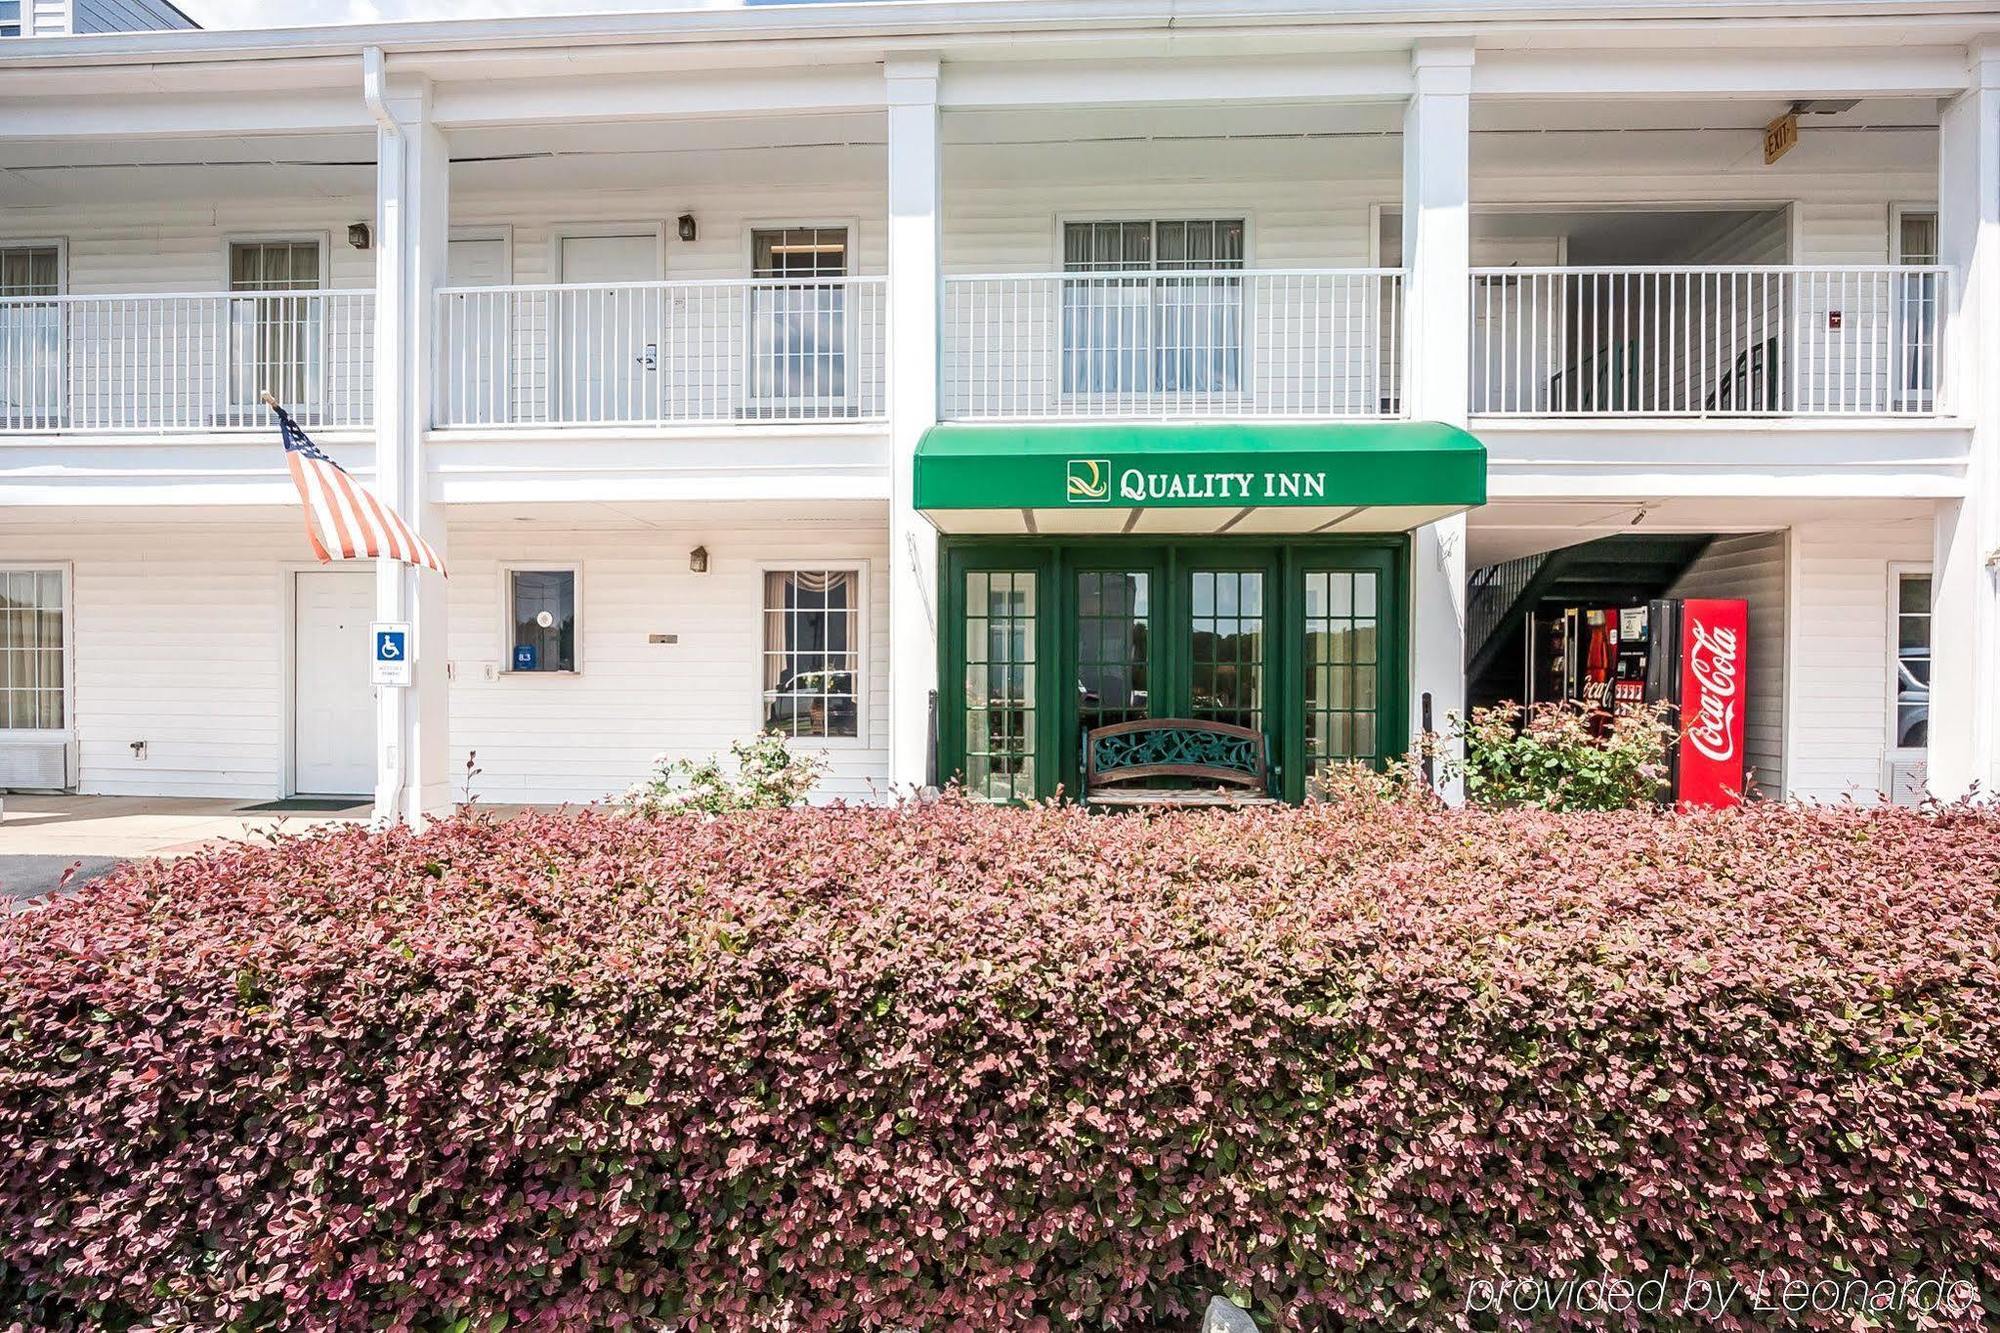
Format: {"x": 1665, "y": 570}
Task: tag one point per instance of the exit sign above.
{"x": 1780, "y": 137}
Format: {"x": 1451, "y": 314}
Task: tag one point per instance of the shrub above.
{"x": 768, "y": 775}
{"x": 950, "y": 1067}
{"x": 1564, "y": 756}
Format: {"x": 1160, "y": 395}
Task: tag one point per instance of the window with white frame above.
{"x": 31, "y": 374}
{"x": 798, "y": 326}
{"x": 1910, "y": 684}
{"x": 541, "y": 619}
{"x": 274, "y": 321}
{"x": 812, "y": 652}
{"x": 33, "y": 669}
{"x": 1916, "y": 304}
{"x": 10, "y": 18}
{"x": 1163, "y": 314}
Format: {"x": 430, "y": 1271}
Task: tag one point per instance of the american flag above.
{"x": 344, "y": 521}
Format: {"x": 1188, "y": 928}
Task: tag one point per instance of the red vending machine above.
{"x": 1698, "y": 661}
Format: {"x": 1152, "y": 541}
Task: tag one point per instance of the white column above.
{"x": 412, "y": 780}
{"x": 1965, "y": 668}
{"x": 912, "y": 92}
{"x": 1437, "y": 324}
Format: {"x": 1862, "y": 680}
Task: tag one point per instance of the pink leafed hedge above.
{"x": 958, "y": 1068}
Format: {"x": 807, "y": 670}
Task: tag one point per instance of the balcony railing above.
{"x": 1771, "y": 340}
{"x": 662, "y": 353}
{"x": 184, "y": 363}
{"x": 1150, "y": 344}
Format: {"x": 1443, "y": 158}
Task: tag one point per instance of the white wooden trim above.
{"x": 863, "y": 667}
{"x": 508, "y": 568}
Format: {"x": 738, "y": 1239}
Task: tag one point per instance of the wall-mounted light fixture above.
{"x": 698, "y": 560}
{"x": 357, "y": 235}
{"x": 686, "y": 226}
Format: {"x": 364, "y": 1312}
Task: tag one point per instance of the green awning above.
{"x": 1238, "y": 477}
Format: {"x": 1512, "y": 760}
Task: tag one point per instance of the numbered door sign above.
{"x": 392, "y": 652}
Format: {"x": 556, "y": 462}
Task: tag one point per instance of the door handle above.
{"x": 650, "y": 358}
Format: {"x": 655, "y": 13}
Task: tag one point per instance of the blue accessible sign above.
{"x": 392, "y": 653}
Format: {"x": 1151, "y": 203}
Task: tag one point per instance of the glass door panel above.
{"x": 999, "y": 704}
{"x": 1113, "y": 646}
{"x": 1227, "y": 668}
{"x": 1342, "y": 667}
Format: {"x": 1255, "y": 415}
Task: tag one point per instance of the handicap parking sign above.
{"x": 392, "y": 653}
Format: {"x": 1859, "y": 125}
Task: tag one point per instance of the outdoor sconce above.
{"x": 686, "y": 226}
{"x": 357, "y": 235}
{"x": 698, "y": 560}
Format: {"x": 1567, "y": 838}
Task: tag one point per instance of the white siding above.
{"x": 178, "y": 640}
{"x": 1753, "y": 568}
{"x": 182, "y": 637}
{"x": 577, "y": 738}
{"x": 1838, "y": 727}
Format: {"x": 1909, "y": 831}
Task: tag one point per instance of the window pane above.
{"x": 799, "y": 332}
{"x": 1341, "y": 676}
{"x": 274, "y": 342}
{"x": 28, "y": 270}
{"x": 31, "y": 650}
{"x": 1227, "y": 647}
{"x": 1112, "y": 648}
{"x": 812, "y": 666}
{"x": 1917, "y": 242}
{"x": 544, "y": 620}
{"x": 1912, "y": 686}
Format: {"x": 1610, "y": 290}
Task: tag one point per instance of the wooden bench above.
{"x": 1221, "y": 764}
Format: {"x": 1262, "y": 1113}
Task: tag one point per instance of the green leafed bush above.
{"x": 951, "y": 1067}
{"x": 1564, "y": 756}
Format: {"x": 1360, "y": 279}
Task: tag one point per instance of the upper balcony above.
{"x": 184, "y": 363}
{"x": 1753, "y": 341}
{"x": 639, "y": 354}
{"x": 710, "y": 320}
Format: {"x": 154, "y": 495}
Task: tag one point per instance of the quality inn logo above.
{"x": 1089, "y": 481}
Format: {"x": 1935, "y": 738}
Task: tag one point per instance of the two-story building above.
{"x": 932, "y": 381}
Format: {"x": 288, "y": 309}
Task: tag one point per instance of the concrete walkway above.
{"x": 42, "y": 836}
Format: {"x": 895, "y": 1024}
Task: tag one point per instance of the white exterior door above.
{"x": 608, "y": 361}
{"x": 477, "y": 357}
{"x": 333, "y": 705}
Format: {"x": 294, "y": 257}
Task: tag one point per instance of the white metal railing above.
{"x": 1764, "y": 340}
{"x": 184, "y": 362}
{"x": 662, "y": 353}
{"x": 1146, "y": 343}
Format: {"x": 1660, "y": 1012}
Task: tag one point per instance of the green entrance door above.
{"x": 1043, "y": 640}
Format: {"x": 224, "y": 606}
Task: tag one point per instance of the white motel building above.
{"x": 933, "y": 381}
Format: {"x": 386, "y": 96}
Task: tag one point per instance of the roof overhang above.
{"x": 1197, "y": 478}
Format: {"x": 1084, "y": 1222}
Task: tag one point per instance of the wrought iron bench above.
{"x": 1222, "y": 764}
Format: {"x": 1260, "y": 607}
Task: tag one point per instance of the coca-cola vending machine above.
{"x": 1698, "y": 661}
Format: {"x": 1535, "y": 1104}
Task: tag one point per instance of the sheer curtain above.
{"x": 1159, "y": 318}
